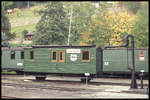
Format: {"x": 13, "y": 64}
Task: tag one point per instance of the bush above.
{"x": 35, "y": 9}
{"x": 17, "y": 11}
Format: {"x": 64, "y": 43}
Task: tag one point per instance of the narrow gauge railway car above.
{"x": 12, "y": 59}
{"x": 118, "y": 61}
{"x": 41, "y": 60}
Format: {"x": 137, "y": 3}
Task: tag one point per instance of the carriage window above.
{"x": 12, "y": 55}
{"x": 85, "y": 56}
{"x": 54, "y": 56}
{"x": 22, "y": 55}
{"x": 61, "y": 56}
{"x": 31, "y": 55}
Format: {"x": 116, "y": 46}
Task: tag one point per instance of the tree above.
{"x": 93, "y": 31}
{"x": 110, "y": 28}
{"x": 7, "y": 4}
{"x": 141, "y": 30}
{"x": 132, "y": 6}
{"x": 81, "y": 18}
{"x": 53, "y": 25}
{"x": 6, "y": 26}
{"x": 123, "y": 25}
{"x": 23, "y": 4}
{"x": 35, "y": 9}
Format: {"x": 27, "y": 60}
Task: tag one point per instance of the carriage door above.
{"x": 58, "y": 57}
{"x": 99, "y": 60}
{"x": 61, "y": 60}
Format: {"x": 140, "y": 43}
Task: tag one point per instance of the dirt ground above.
{"x": 70, "y": 87}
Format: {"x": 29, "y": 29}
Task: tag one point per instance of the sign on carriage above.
{"x": 73, "y": 57}
{"x": 106, "y": 63}
{"x": 73, "y": 50}
{"x": 19, "y": 64}
{"x": 142, "y": 55}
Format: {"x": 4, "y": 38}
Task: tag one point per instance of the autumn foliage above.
{"x": 112, "y": 27}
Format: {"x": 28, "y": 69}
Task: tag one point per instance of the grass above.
{"x": 18, "y": 29}
{"x": 25, "y": 15}
{"x": 25, "y": 21}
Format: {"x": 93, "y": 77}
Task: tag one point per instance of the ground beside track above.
{"x": 20, "y": 86}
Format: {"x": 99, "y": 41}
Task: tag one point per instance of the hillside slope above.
{"x": 25, "y": 20}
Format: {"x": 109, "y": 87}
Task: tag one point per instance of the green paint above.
{"x": 116, "y": 60}
{"x": 42, "y": 61}
{"x": 7, "y": 62}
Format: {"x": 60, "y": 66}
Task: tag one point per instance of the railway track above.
{"x": 62, "y": 88}
{"x": 46, "y": 84}
{"x": 18, "y": 81}
{"x": 37, "y": 86}
{"x": 70, "y": 80}
{"x": 63, "y": 85}
{"x": 9, "y": 97}
{"x": 12, "y": 74}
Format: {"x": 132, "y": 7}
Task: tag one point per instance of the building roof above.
{"x": 12, "y": 48}
{"x": 30, "y": 33}
{"x": 62, "y": 46}
{"x": 146, "y": 48}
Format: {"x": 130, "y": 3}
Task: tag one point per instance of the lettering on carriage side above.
{"x": 73, "y": 57}
{"x": 19, "y": 64}
{"x": 73, "y": 50}
{"x": 106, "y": 63}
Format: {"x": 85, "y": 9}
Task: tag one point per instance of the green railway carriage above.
{"x": 62, "y": 59}
{"x": 12, "y": 59}
{"x": 119, "y": 60}
{"x": 41, "y": 60}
